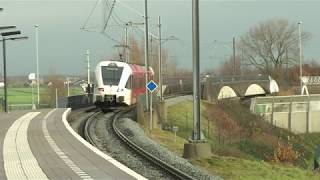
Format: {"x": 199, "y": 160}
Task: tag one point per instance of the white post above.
{"x": 56, "y": 98}
{"x": 88, "y": 65}
{"x": 68, "y": 87}
{"x": 151, "y": 117}
{"x": 160, "y": 58}
{"x": 146, "y": 51}
{"x": 126, "y": 44}
{"x": 33, "y": 106}
{"x": 88, "y": 68}
{"x": 32, "y": 94}
{"x": 300, "y": 55}
{"x": 37, "y": 59}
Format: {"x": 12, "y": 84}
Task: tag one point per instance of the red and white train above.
{"x": 120, "y": 83}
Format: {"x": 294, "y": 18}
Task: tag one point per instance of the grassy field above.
{"x": 239, "y": 156}
{"x": 20, "y": 96}
{"x": 237, "y": 168}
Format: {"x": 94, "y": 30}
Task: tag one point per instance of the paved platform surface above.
{"x": 38, "y": 145}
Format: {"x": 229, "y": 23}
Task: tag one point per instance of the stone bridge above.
{"x": 216, "y": 88}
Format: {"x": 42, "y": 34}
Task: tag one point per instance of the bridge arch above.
{"x": 254, "y": 89}
{"x": 226, "y": 92}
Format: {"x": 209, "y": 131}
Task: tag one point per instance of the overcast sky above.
{"x": 62, "y": 44}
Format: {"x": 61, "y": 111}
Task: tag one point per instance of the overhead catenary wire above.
{"x": 111, "y": 20}
{"x": 109, "y": 15}
{"x": 112, "y": 39}
{"x": 112, "y": 8}
{"x": 93, "y": 9}
{"x": 116, "y": 17}
{"x": 130, "y": 8}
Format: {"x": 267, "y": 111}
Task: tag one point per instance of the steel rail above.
{"x": 86, "y": 130}
{"x": 172, "y": 170}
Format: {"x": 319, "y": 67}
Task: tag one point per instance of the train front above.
{"x": 112, "y": 78}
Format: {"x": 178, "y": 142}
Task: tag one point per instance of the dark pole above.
{"x": 234, "y": 56}
{"x": 5, "y": 75}
{"x": 196, "y": 135}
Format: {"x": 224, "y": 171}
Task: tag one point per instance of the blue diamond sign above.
{"x": 151, "y": 86}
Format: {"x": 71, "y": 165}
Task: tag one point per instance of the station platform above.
{"x": 41, "y": 145}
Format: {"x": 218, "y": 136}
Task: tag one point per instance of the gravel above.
{"x": 110, "y": 144}
{"x": 133, "y": 131}
{"x": 78, "y": 117}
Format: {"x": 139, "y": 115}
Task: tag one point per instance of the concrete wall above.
{"x": 314, "y": 121}
{"x": 299, "y": 122}
{"x": 281, "y": 119}
{"x": 300, "y": 114}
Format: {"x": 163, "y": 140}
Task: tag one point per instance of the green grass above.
{"x": 243, "y": 158}
{"x": 181, "y": 115}
{"x": 24, "y": 95}
{"x": 237, "y": 168}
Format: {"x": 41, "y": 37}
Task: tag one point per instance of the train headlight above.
{"x": 119, "y": 90}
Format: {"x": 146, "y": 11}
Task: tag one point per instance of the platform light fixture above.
{"x": 4, "y": 39}
{"x": 10, "y": 33}
{"x": 7, "y": 27}
{"x": 17, "y": 38}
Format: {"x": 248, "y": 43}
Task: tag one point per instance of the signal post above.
{"x": 197, "y": 147}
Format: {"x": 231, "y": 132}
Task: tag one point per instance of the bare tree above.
{"x": 137, "y": 57}
{"x": 271, "y": 44}
{"x": 226, "y": 67}
{"x": 136, "y": 52}
{"x": 54, "y": 82}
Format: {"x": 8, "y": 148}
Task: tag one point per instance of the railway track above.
{"x": 87, "y": 128}
{"x": 176, "y": 173}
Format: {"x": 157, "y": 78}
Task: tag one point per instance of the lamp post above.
{"x": 88, "y": 72}
{"x": 68, "y": 87}
{"x": 146, "y": 51}
{"x": 4, "y": 34}
{"x": 300, "y": 54}
{"x": 37, "y": 59}
{"x": 160, "y": 57}
{"x": 196, "y": 135}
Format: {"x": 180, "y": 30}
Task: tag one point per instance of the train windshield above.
{"x": 111, "y": 75}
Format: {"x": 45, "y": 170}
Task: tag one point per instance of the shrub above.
{"x": 284, "y": 153}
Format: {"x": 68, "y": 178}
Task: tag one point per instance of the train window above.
{"x": 111, "y": 75}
